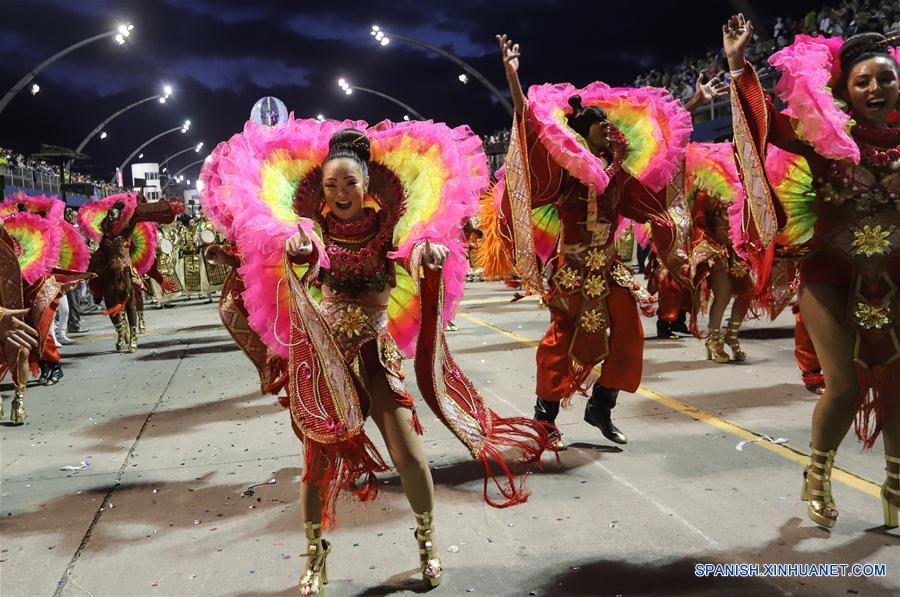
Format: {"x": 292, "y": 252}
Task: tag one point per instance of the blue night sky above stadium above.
{"x": 222, "y": 55}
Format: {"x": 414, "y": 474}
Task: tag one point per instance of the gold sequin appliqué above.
{"x": 351, "y": 321}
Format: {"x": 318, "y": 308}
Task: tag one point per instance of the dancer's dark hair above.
{"x": 351, "y": 144}
{"x": 862, "y": 47}
{"x": 581, "y": 119}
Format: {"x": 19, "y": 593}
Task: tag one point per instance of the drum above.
{"x": 166, "y": 246}
{"x": 208, "y": 236}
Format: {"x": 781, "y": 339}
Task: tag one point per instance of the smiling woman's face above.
{"x": 345, "y": 188}
{"x": 872, "y": 90}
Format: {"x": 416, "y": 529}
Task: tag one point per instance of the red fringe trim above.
{"x": 407, "y": 401}
{"x": 877, "y": 400}
{"x": 115, "y": 310}
{"x": 519, "y": 433}
{"x": 348, "y": 465}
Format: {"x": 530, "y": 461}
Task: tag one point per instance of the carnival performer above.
{"x": 112, "y": 222}
{"x": 848, "y": 294}
{"x": 17, "y": 338}
{"x": 718, "y": 264}
{"x": 46, "y": 247}
{"x": 595, "y": 153}
{"x": 373, "y": 215}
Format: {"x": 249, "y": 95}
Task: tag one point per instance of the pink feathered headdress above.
{"x": 655, "y": 124}
{"x": 809, "y": 68}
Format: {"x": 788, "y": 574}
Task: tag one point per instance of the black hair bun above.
{"x": 576, "y": 103}
{"x": 862, "y": 46}
{"x": 352, "y": 140}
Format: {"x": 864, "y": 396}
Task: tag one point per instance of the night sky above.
{"x": 221, "y": 56}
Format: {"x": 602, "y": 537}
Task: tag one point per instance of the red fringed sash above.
{"x": 456, "y": 402}
{"x": 518, "y": 193}
{"x": 272, "y": 369}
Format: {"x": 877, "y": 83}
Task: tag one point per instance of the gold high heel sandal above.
{"x": 122, "y": 334}
{"x": 17, "y": 415}
{"x": 731, "y": 339}
{"x": 821, "y": 508}
{"x": 715, "y": 347}
{"x": 891, "y": 508}
{"x": 432, "y": 570}
{"x": 132, "y": 344}
{"x": 315, "y": 577}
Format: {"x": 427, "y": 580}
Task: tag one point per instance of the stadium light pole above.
{"x": 162, "y": 97}
{"x": 196, "y": 148}
{"x": 119, "y": 34}
{"x": 384, "y": 38}
{"x": 349, "y": 89}
{"x": 174, "y": 176}
{"x": 185, "y": 127}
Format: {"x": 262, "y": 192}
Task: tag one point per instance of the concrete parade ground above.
{"x": 132, "y": 475}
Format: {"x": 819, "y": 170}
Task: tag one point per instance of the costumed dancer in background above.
{"x": 595, "y": 153}
{"x": 112, "y": 222}
{"x": 791, "y": 181}
{"x": 675, "y": 298}
{"x": 17, "y": 338}
{"x": 849, "y": 278}
{"x": 42, "y": 241}
{"x": 718, "y": 262}
{"x": 373, "y": 216}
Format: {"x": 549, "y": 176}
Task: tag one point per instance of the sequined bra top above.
{"x": 874, "y": 183}
{"x": 357, "y": 252}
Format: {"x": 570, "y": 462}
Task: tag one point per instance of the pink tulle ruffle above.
{"x": 80, "y": 255}
{"x": 90, "y": 213}
{"x": 51, "y": 207}
{"x": 656, "y": 109}
{"x": 235, "y": 200}
{"x": 808, "y": 68}
{"x": 31, "y": 226}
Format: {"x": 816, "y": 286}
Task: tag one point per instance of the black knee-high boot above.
{"x": 546, "y": 411}
{"x": 598, "y": 413}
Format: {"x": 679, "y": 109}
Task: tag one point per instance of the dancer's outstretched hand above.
{"x": 736, "y": 36}
{"x": 435, "y": 255}
{"x": 299, "y": 244}
{"x": 14, "y": 332}
{"x": 707, "y": 91}
{"x": 510, "y": 53}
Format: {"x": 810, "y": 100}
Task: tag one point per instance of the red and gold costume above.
{"x": 381, "y": 303}
{"x": 592, "y": 296}
{"x": 853, "y": 233}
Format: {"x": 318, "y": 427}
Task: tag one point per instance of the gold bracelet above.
{"x": 2, "y": 314}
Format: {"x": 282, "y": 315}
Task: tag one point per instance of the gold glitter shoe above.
{"x": 315, "y": 577}
{"x": 122, "y": 334}
{"x": 132, "y": 344}
{"x": 142, "y": 326}
{"x": 731, "y": 339}
{"x": 715, "y": 347}
{"x": 821, "y": 508}
{"x": 17, "y": 415}
{"x": 432, "y": 570}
